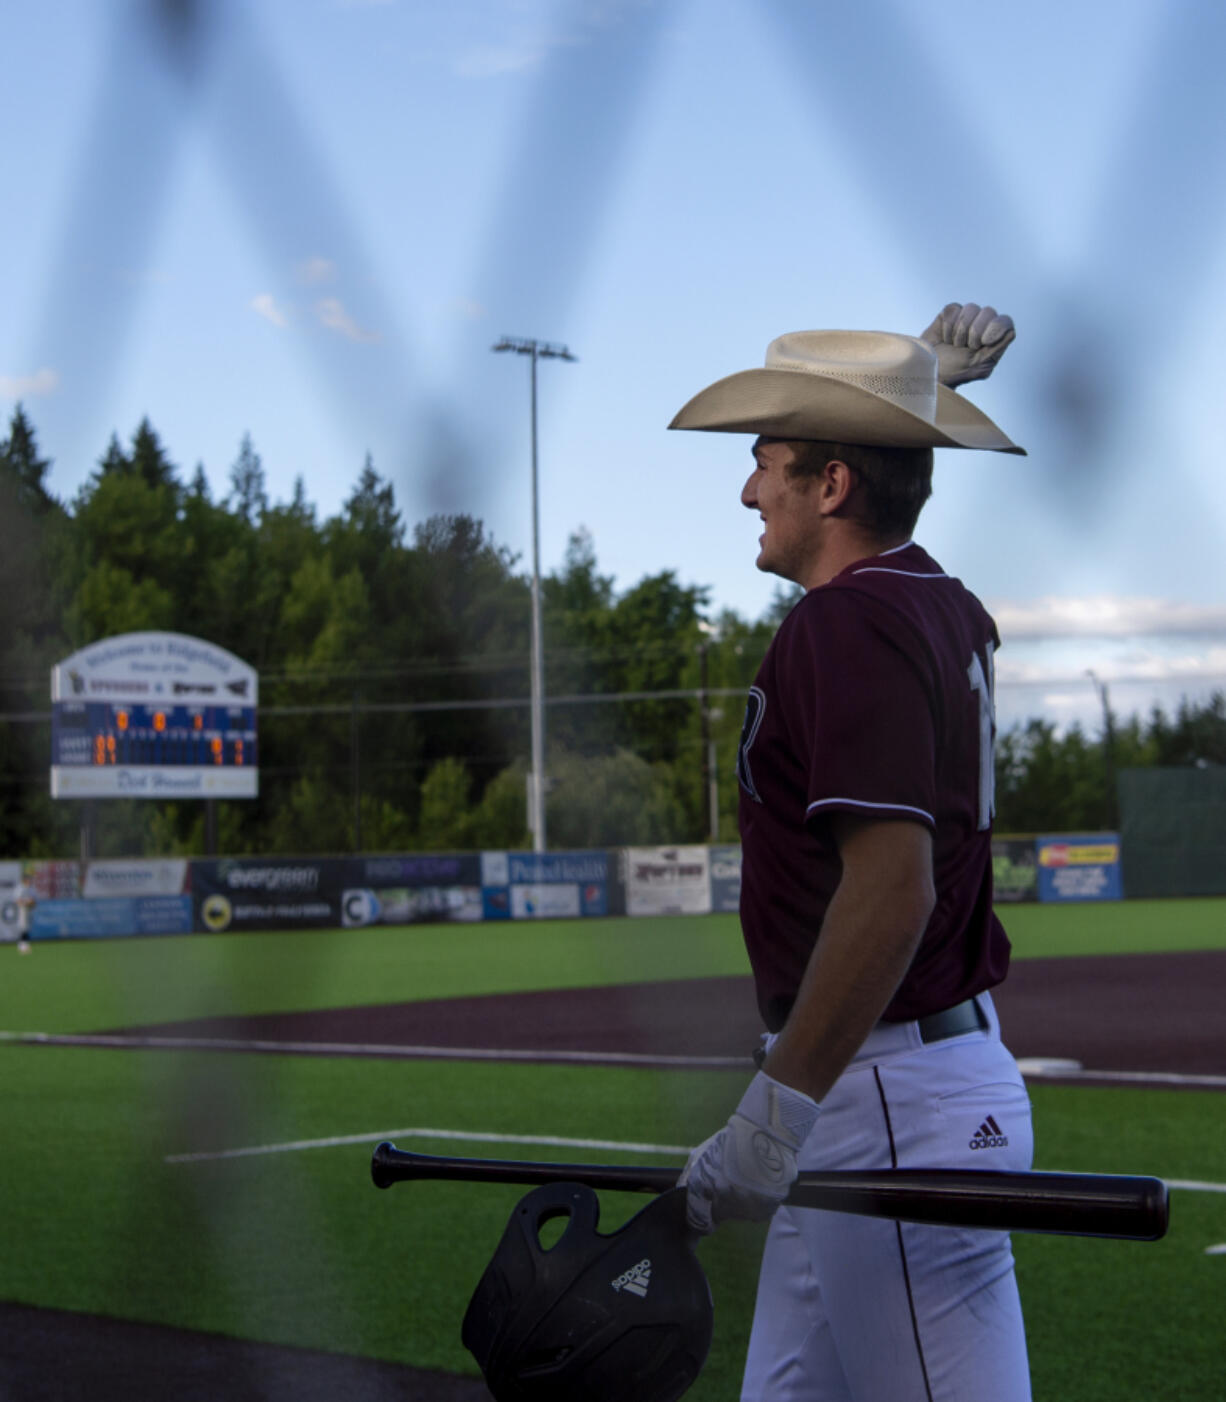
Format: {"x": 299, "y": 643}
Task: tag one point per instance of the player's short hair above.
{"x": 892, "y": 483}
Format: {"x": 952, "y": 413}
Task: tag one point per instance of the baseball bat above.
{"x": 1064, "y": 1204}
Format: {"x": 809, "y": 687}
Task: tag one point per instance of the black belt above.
{"x": 966, "y": 1016}
{"x": 963, "y": 1017}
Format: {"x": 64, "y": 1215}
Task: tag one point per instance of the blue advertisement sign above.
{"x": 1079, "y": 867}
{"x": 544, "y": 885}
{"x": 111, "y": 918}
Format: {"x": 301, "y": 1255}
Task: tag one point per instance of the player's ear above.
{"x": 835, "y": 484}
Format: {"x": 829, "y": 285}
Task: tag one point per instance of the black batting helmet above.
{"x": 597, "y": 1317}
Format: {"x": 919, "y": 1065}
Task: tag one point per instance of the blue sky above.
{"x": 311, "y": 219}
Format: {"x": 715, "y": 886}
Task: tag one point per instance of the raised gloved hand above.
{"x": 969, "y": 340}
{"x": 747, "y": 1168}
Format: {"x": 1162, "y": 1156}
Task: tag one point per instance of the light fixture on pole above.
{"x": 538, "y": 350}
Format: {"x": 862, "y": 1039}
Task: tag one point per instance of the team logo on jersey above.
{"x": 755, "y": 710}
{"x": 989, "y": 1135}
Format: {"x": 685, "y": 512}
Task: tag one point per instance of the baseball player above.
{"x": 23, "y": 897}
{"x": 866, "y": 770}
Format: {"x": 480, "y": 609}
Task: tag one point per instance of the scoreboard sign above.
{"x": 154, "y": 715}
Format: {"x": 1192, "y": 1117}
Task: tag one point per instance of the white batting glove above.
{"x": 747, "y": 1168}
{"x": 969, "y": 340}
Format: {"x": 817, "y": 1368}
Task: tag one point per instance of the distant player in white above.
{"x": 865, "y": 772}
{"x": 23, "y": 898}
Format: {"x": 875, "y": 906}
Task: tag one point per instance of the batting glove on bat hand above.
{"x": 747, "y": 1168}
{"x": 969, "y": 340}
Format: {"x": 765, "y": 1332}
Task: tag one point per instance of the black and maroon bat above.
{"x": 1067, "y": 1204}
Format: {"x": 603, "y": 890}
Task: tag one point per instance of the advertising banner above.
{"x": 726, "y": 879}
{"x": 410, "y": 890}
{"x": 267, "y": 893}
{"x": 1015, "y": 869}
{"x": 544, "y": 885}
{"x": 54, "y": 880}
{"x": 138, "y": 877}
{"x": 112, "y": 918}
{"x": 10, "y": 875}
{"x": 667, "y": 881}
{"x": 1079, "y": 867}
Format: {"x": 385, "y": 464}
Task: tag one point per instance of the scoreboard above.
{"x": 164, "y": 729}
{"x": 101, "y": 732}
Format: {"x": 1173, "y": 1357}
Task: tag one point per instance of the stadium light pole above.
{"x": 538, "y": 350}
{"x": 1108, "y": 748}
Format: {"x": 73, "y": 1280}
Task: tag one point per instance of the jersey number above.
{"x": 981, "y": 689}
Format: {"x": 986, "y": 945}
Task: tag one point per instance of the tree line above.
{"x": 394, "y": 673}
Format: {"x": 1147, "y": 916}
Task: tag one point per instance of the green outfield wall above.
{"x": 1173, "y": 831}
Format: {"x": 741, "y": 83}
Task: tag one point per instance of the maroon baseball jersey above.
{"x": 874, "y": 698}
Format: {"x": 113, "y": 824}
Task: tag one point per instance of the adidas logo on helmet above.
{"x": 636, "y": 1279}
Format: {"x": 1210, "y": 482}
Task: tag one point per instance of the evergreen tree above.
{"x": 248, "y": 497}
{"x": 148, "y": 459}
{"x": 114, "y": 460}
{"x": 21, "y": 465}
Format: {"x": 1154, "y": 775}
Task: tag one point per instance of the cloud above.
{"x": 44, "y": 381}
{"x": 531, "y": 33}
{"x": 316, "y": 270}
{"x": 332, "y": 314}
{"x": 1106, "y": 616}
{"x": 493, "y": 60}
{"x": 265, "y": 304}
{"x": 1138, "y": 665}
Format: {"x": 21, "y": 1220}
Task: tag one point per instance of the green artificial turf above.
{"x": 1115, "y": 927}
{"x": 298, "y": 1247}
{"x": 90, "y": 985}
{"x": 94, "y": 984}
{"x": 1113, "y": 1321}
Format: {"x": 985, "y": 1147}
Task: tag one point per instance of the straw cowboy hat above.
{"x": 869, "y": 387}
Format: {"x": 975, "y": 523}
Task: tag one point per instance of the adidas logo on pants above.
{"x": 989, "y": 1135}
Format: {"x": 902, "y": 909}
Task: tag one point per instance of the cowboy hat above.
{"x": 869, "y": 387}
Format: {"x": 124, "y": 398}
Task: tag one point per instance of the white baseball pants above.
{"x": 862, "y": 1309}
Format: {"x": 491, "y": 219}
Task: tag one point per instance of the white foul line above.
{"x": 1032, "y": 1068}
{"x": 1036, "y": 1069}
{"x": 124, "y": 1041}
{"x": 470, "y": 1136}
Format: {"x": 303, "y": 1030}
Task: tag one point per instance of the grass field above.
{"x": 296, "y": 1247}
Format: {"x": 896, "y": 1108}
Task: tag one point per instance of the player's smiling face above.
{"x": 788, "y": 545}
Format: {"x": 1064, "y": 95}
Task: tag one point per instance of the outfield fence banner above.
{"x": 54, "y": 880}
{"x": 1015, "y": 869}
{"x": 411, "y": 889}
{"x": 726, "y": 879}
{"x": 1079, "y": 867}
{"x": 544, "y": 885}
{"x": 10, "y": 878}
{"x": 111, "y": 917}
{"x": 667, "y": 880}
{"x": 150, "y": 876}
{"x": 267, "y": 893}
